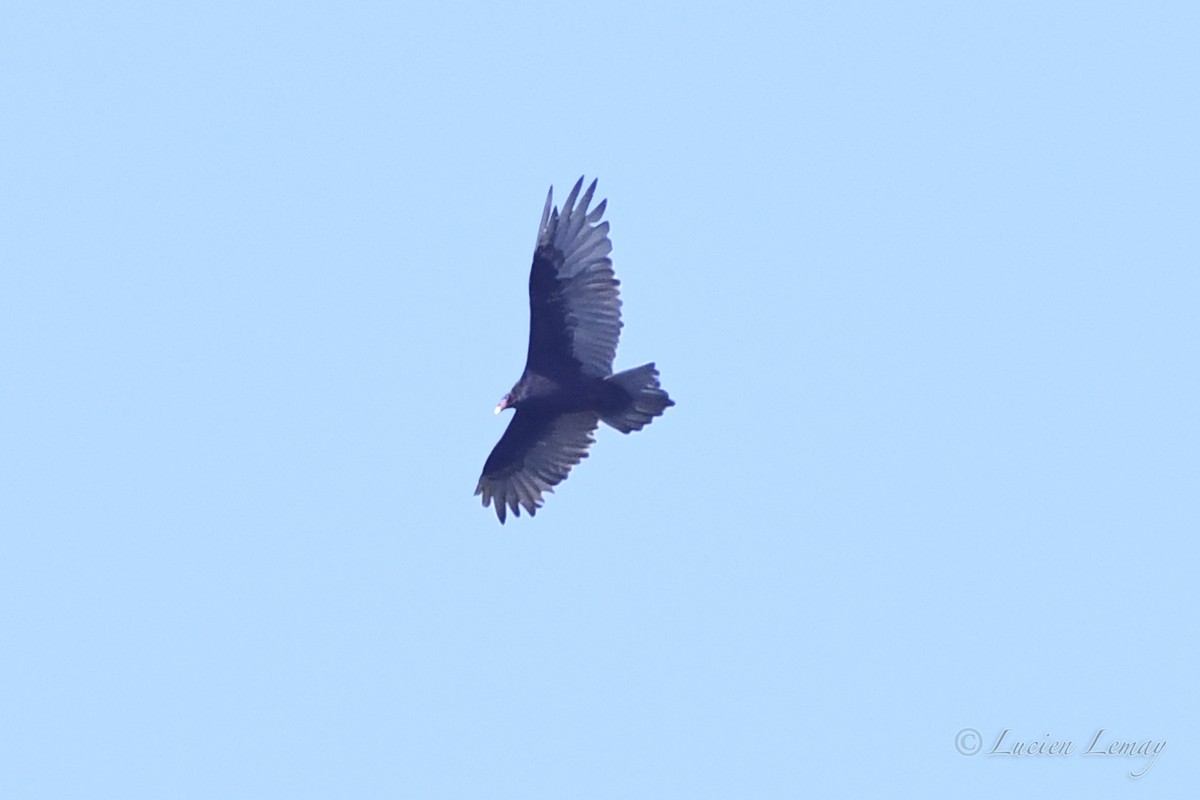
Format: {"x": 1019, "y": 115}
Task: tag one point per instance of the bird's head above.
{"x": 505, "y": 402}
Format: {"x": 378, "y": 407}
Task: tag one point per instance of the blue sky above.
{"x": 922, "y": 278}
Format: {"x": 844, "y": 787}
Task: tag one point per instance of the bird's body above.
{"x": 547, "y": 396}
{"x": 568, "y": 386}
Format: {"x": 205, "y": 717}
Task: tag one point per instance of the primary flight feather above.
{"x": 568, "y": 386}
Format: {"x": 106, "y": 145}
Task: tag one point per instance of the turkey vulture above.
{"x": 568, "y": 385}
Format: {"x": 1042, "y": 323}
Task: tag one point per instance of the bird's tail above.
{"x": 647, "y": 399}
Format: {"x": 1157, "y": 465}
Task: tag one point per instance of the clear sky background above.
{"x": 922, "y": 278}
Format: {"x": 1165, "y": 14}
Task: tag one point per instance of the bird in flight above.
{"x": 568, "y": 386}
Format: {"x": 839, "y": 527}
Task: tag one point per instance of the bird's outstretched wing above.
{"x": 534, "y": 455}
{"x": 574, "y": 304}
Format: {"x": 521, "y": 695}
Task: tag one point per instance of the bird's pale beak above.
{"x": 503, "y": 404}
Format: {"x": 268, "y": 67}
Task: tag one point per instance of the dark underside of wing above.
{"x": 535, "y": 454}
{"x": 574, "y": 301}
{"x": 550, "y": 349}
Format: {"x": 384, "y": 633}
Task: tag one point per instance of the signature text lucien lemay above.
{"x": 1100, "y": 745}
